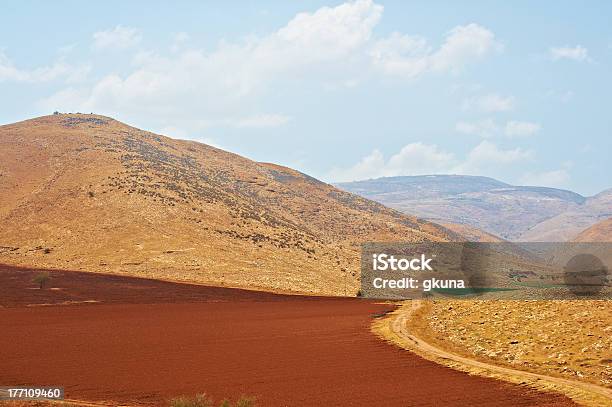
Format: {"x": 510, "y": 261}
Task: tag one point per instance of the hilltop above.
{"x": 90, "y": 193}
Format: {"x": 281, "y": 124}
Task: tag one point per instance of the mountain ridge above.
{"x": 528, "y": 213}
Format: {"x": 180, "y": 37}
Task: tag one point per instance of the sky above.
{"x": 519, "y": 91}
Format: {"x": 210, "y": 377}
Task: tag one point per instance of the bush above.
{"x": 245, "y": 402}
{"x": 42, "y": 279}
{"x": 202, "y": 400}
{"x": 241, "y": 402}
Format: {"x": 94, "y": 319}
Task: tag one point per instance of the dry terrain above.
{"x": 90, "y": 193}
{"x": 284, "y": 350}
{"x": 568, "y": 339}
{"x": 517, "y": 213}
{"x": 566, "y": 225}
{"x": 599, "y": 232}
{"x": 470, "y": 233}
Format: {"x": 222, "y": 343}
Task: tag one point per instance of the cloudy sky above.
{"x": 342, "y": 91}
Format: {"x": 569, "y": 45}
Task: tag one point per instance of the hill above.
{"x": 90, "y": 193}
{"x": 472, "y": 234}
{"x": 599, "y": 232}
{"x": 566, "y": 225}
{"x": 519, "y": 213}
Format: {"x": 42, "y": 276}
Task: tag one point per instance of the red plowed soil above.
{"x": 147, "y": 341}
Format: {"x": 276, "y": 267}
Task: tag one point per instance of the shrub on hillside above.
{"x": 41, "y": 279}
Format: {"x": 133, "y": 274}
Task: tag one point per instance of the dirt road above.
{"x": 145, "y": 341}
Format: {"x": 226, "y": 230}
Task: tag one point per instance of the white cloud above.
{"x": 412, "y": 159}
{"x": 58, "y": 70}
{"x": 370, "y": 166}
{"x": 463, "y": 44}
{"x": 423, "y": 159}
{"x": 488, "y": 153}
{"x": 184, "y": 85}
{"x": 419, "y": 157}
{"x": 411, "y": 56}
{"x": 332, "y": 31}
{"x": 555, "y": 178}
{"x": 489, "y": 103}
{"x": 483, "y": 128}
{"x": 521, "y": 129}
{"x": 331, "y": 47}
{"x": 118, "y": 38}
{"x": 401, "y": 55}
{"x": 577, "y": 53}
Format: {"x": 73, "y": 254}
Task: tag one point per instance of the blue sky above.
{"x": 341, "y": 91}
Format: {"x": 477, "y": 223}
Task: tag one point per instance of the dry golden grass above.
{"x": 570, "y": 339}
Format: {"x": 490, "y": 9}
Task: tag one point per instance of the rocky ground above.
{"x": 570, "y": 339}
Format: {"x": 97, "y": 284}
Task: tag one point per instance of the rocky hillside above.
{"x": 599, "y": 232}
{"x": 87, "y": 192}
{"x": 472, "y": 234}
{"x": 566, "y": 225}
{"x": 519, "y": 213}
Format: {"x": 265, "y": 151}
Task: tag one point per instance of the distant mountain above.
{"x": 518, "y": 213}
{"x": 599, "y": 232}
{"x": 87, "y": 192}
